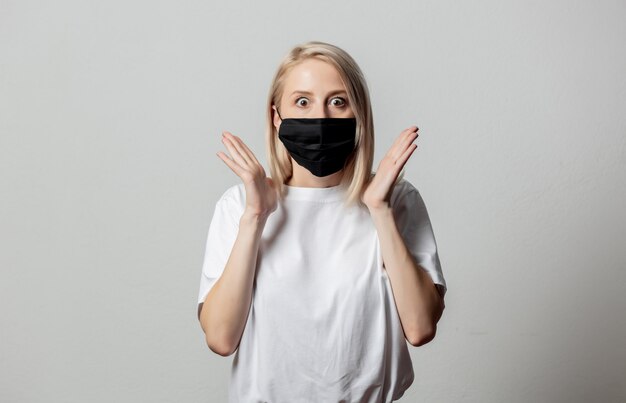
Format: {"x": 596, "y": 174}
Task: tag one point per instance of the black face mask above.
{"x": 321, "y": 145}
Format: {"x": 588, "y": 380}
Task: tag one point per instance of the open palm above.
{"x": 261, "y": 195}
{"x": 378, "y": 191}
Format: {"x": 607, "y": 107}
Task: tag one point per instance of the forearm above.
{"x": 417, "y": 299}
{"x": 226, "y": 307}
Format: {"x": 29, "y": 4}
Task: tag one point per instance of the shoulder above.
{"x": 234, "y": 197}
{"x": 401, "y": 189}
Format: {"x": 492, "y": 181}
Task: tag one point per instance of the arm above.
{"x": 419, "y": 303}
{"x": 224, "y": 313}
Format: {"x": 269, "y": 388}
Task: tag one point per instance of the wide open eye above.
{"x": 342, "y": 101}
{"x": 302, "y": 98}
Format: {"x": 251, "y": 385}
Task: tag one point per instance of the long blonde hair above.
{"x": 358, "y": 169}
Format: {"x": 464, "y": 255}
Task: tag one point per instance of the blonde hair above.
{"x": 358, "y": 169}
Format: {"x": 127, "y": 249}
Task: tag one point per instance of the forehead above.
{"x": 313, "y": 75}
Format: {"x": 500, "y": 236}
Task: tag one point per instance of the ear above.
{"x": 275, "y": 118}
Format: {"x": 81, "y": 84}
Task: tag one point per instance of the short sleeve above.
{"x": 415, "y": 228}
{"x": 221, "y": 237}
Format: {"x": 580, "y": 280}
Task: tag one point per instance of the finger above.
{"x": 412, "y": 128}
{"x": 405, "y": 156}
{"x": 248, "y": 152}
{"x": 409, "y": 139}
{"x": 401, "y": 148}
{"x": 230, "y": 163}
{"x": 408, "y": 131}
{"x": 399, "y": 145}
{"x": 236, "y": 141}
{"x": 401, "y": 136}
{"x": 236, "y": 156}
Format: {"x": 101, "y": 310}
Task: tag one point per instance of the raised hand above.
{"x": 261, "y": 193}
{"x": 378, "y": 191}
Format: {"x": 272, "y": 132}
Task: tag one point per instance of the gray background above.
{"x": 111, "y": 115}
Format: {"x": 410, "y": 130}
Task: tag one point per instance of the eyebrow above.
{"x": 310, "y": 93}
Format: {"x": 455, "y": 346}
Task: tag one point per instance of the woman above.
{"x": 318, "y": 276}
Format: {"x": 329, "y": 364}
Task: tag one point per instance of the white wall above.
{"x": 111, "y": 114}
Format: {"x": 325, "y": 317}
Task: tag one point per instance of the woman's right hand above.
{"x": 261, "y": 194}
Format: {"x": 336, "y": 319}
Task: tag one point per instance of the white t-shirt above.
{"x": 323, "y": 324}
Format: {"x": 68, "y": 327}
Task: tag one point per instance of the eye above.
{"x": 341, "y": 103}
{"x": 299, "y": 103}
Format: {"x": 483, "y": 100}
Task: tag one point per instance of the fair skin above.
{"x": 327, "y": 99}
{"x": 226, "y": 307}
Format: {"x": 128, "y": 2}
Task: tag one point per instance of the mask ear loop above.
{"x": 281, "y": 118}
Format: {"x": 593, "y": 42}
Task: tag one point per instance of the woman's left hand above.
{"x": 378, "y": 192}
